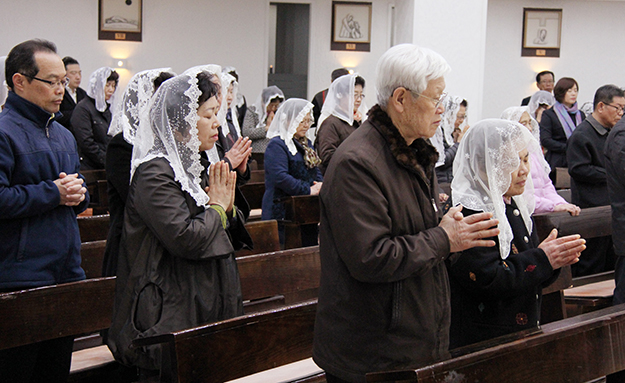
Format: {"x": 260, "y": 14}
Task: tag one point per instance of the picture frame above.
{"x": 120, "y": 20}
{"x": 351, "y": 26}
{"x": 542, "y": 28}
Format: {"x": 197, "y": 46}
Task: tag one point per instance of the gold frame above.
{"x": 115, "y": 22}
{"x": 348, "y": 19}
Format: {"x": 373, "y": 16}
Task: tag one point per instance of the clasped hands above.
{"x": 70, "y": 189}
{"x": 222, "y": 186}
{"x": 239, "y": 153}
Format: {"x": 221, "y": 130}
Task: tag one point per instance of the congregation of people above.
{"x": 426, "y": 236}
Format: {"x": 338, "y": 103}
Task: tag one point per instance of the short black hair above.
{"x": 360, "y": 81}
{"x": 338, "y": 73}
{"x": 67, "y": 60}
{"x": 606, "y": 94}
{"x": 205, "y": 81}
{"x": 541, "y": 74}
{"x": 234, "y": 74}
{"x": 161, "y": 78}
{"x": 464, "y": 103}
{"x": 562, "y": 86}
{"x": 21, "y": 59}
{"x": 114, "y": 76}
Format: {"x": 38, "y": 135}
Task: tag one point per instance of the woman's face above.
{"x": 526, "y": 121}
{"x": 109, "y": 89}
{"x": 208, "y": 124}
{"x": 519, "y": 176}
{"x": 570, "y": 97}
{"x": 273, "y": 106}
{"x": 230, "y": 95}
{"x": 303, "y": 126}
{"x": 358, "y": 97}
{"x": 460, "y": 116}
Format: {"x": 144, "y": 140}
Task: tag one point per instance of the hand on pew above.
{"x": 465, "y": 233}
{"x": 562, "y": 251}
{"x": 574, "y": 210}
{"x": 315, "y": 188}
{"x": 71, "y": 189}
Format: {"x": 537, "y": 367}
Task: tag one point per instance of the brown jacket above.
{"x": 332, "y": 132}
{"x": 384, "y": 294}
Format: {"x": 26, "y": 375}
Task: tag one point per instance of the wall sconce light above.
{"x": 120, "y": 64}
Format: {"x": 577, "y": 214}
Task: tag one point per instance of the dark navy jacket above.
{"x": 39, "y": 239}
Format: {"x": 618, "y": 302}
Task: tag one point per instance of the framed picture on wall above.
{"x": 351, "y": 26}
{"x": 541, "y": 32}
{"x": 120, "y": 20}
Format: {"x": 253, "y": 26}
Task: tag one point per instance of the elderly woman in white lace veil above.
{"x": 291, "y": 163}
{"x": 119, "y": 153}
{"x": 259, "y": 116}
{"x": 443, "y": 140}
{"x": 343, "y": 111}
{"x": 545, "y": 195}
{"x": 92, "y": 116}
{"x": 539, "y": 102}
{"x": 176, "y": 268}
{"x": 4, "y": 91}
{"x": 497, "y": 290}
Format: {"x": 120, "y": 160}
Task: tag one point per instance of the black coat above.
{"x": 90, "y": 127}
{"x": 332, "y": 132}
{"x": 490, "y": 296}
{"x": 585, "y": 157}
{"x": 615, "y": 174}
{"x": 68, "y": 105}
{"x": 553, "y": 138}
{"x": 176, "y": 268}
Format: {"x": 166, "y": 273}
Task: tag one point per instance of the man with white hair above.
{"x": 384, "y": 293}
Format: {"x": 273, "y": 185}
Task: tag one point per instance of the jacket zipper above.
{"x": 48, "y": 124}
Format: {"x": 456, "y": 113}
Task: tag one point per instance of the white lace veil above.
{"x": 264, "y": 98}
{"x": 588, "y": 107}
{"x": 487, "y": 156}
{"x": 4, "y": 90}
{"x": 239, "y": 100}
{"x": 448, "y": 118}
{"x": 132, "y": 102}
{"x": 287, "y": 119}
{"x": 339, "y": 101}
{"x": 95, "y": 89}
{"x": 539, "y": 98}
{"x": 438, "y": 142}
{"x": 514, "y": 113}
{"x": 168, "y": 129}
{"x": 228, "y": 79}
{"x": 215, "y": 70}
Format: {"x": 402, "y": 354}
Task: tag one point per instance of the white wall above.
{"x": 591, "y": 50}
{"x": 184, "y": 33}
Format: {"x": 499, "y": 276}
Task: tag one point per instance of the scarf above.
{"x": 563, "y": 113}
{"x": 311, "y": 159}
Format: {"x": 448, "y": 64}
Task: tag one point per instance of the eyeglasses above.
{"x": 437, "y": 101}
{"x": 619, "y": 109}
{"x": 52, "y": 84}
{"x": 546, "y": 82}
{"x": 307, "y": 121}
{"x": 359, "y": 96}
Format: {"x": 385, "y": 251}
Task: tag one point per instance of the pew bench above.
{"x": 578, "y": 349}
{"x": 93, "y": 228}
{"x": 302, "y": 212}
{"x": 264, "y": 235}
{"x": 590, "y": 293}
{"x": 97, "y": 186}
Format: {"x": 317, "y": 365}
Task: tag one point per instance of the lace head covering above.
{"x": 95, "y": 89}
{"x": 448, "y": 118}
{"x": 168, "y": 129}
{"x": 588, "y": 107}
{"x": 514, "y": 113}
{"x": 287, "y": 119}
{"x": 215, "y": 70}
{"x": 542, "y": 97}
{"x": 264, "y": 99}
{"x": 4, "y": 91}
{"x": 134, "y": 99}
{"x": 339, "y": 101}
{"x": 227, "y": 80}
{"x": 487, "y": 156}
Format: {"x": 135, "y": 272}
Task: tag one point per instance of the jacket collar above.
{"x": 420, "y": 157}
{"x": 29, "y": 110}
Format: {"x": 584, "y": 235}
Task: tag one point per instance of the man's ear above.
{"x": 18, "y": 81}
{"x": 398, "y": 99}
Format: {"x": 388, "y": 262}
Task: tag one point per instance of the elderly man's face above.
{"x": 422, "y": 114}
{"x": 47, "y": 96}
{"x": 609, "y": 114}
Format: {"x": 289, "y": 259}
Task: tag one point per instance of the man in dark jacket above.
{"x": 384, "y": 293}
{"x": 615, "y": 175}
{"x": 544, "y": 81}
{"x": 73, "y": 92}
{"x": 585, "y": 158}
{"x": 40, "y": 194}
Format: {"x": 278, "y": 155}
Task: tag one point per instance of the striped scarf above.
{"x": 562, "y": 111}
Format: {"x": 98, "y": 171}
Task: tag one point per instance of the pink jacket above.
{"x": 544, "y": 191}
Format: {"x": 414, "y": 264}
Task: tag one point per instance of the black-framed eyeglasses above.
{"x": 619, "y": 109}
{"x": 52, "y": 84}
{"x": 437, "y": 101}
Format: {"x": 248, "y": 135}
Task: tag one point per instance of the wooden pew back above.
{"x": 264, "y": 235}
{"x": 93, "y": 228}
{"x": 237, "y": 347}
{"x": 577, "y": 349}
{"x": 253, "y": 192}
{"x": 92, "y": 255}
{"x": 50, "y": 312}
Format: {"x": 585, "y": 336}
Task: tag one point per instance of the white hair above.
{"x": 409, "y": 66}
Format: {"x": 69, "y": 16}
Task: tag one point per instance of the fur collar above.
{"x": 420, "y": 157}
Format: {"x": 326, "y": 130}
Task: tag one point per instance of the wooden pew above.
{"x": 301, "y": 212}
{"x": 93, "y": 228}
{"x": 238, "y": 347}
{"x": 253, "y": 192}
{"x": 592, "y": 222}
{"x": 577, "y": 349}
{"x": 92, "y": 254}
{"x": 257, "y": 176}
{"x": 97, "y": 186}
{"x": 590, "y": 293}
{"x": 563, "y": 179}
{"x": 264, "y": 235}
{"x": 259, "y": 158}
